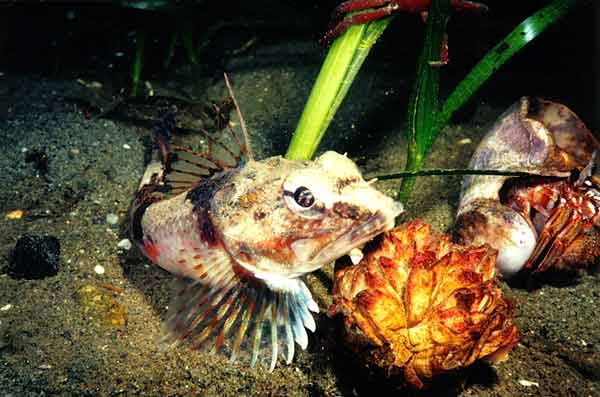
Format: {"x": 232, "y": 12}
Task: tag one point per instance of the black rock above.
{"x": 34, "y": 257}
{"x": 39, "y": 159}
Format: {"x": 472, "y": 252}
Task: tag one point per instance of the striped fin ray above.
{"x": 232, "y": 312}
{"x": 185, "y": 167}
{"x": 179, "y": 168}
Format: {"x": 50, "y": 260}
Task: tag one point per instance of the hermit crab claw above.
{"x": 559, "y": 232}
{"x": 548, "y": 220}
{"x": 563, "y": 227}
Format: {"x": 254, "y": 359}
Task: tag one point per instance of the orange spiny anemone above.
{"x": 420, "y": 305}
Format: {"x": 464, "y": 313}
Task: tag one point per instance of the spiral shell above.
{"x": 535, "y": 136}
{"x": 419, "y": 305}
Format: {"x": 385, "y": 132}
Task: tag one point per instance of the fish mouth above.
{"x": 377, "y": 223}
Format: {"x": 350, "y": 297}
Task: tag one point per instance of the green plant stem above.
{"x": 136, "y": 68}
{"x": 319, "y": 105}
{"x": 524, "y": 33}
{"x": 170, "y": 50}
{"x": 187, "y": 37}
{"x": 342, "y": 63}
{"x": 451, "y": 172}
{"x": 423, "y": 102}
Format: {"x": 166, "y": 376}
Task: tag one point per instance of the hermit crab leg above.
{"x": 558, "y": 233}
{"x": 564, "y": 239}
{"x": 387, "y": 7}
{"x": 357, "y": 19}
{"x": 357, "y": 5}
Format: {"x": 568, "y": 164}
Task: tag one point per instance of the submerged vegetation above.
{"x": 425, "y": 117}
{"x": 182, "y": 30}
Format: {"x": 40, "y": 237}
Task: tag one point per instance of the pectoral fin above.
{"x": 234, "y": 312}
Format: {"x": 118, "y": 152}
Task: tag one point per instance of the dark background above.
{"x": 79, "y": 38}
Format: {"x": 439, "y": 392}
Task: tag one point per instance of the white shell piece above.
{"x": 512, "y": 256}
{"x": 124, "y": 244}
{"x": 355, "y": 255}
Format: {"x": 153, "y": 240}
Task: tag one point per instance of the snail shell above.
{"x": 536, "y": 136}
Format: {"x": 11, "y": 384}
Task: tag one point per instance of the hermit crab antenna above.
{"x": 239, "y": 113}
{"x": 588, "y": 170}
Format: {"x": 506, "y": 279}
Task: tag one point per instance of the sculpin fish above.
{"x": 240, "y": 233}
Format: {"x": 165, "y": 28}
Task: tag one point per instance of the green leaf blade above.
{"x": 344, "y": 59}
{"x": 518, "y": 38}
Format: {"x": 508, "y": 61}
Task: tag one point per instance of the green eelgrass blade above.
{"x": 136, "y": 67}
{"x": 344, "y": 59}
{"x": 170, "y": 49}
{"x": 525, "y": 32}
{"x": 370, "y": 36}
{"x": 187, "y": 37}
{"x": 424, "y": 101}
{"x": 451, "y": 172}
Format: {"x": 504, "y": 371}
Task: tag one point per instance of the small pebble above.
{"x": 14, "y": 214}
{"x": 6, "y": 307}
{"x": 99, "y": 269}
{"x": 124, "y": 244}
{"x": 126, "y": 146}
{"x": 112, "y": 219}
{"x": 465, "y": 141}
{"x": 528, "y": 383}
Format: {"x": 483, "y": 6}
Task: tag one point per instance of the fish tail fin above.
{"x": 243, "y": 317}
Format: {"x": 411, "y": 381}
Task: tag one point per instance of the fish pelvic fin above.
{"x": 235, "y": 313}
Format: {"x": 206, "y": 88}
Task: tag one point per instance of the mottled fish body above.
{"x": 240, "y": 237}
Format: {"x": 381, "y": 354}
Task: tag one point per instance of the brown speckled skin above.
{"x": 248, "y": 213}
{"x": 243, "y": 211}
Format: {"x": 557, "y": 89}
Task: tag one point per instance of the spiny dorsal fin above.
{"x": 246, "y": 141}
{"x": 224, "y": 150}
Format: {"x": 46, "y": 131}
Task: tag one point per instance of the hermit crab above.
{"x": 418, "y": 305}
{"x": 548, "y": 219}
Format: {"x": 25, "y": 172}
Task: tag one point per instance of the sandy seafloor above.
{"x": 54, "y": 343}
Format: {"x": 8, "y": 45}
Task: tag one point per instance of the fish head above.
{"x": 291, "y": 217}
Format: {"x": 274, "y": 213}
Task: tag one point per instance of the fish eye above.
{"x": 302, "y": 201}
{"x": 304, "y": 197}
{"x": 306, "y": 193}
